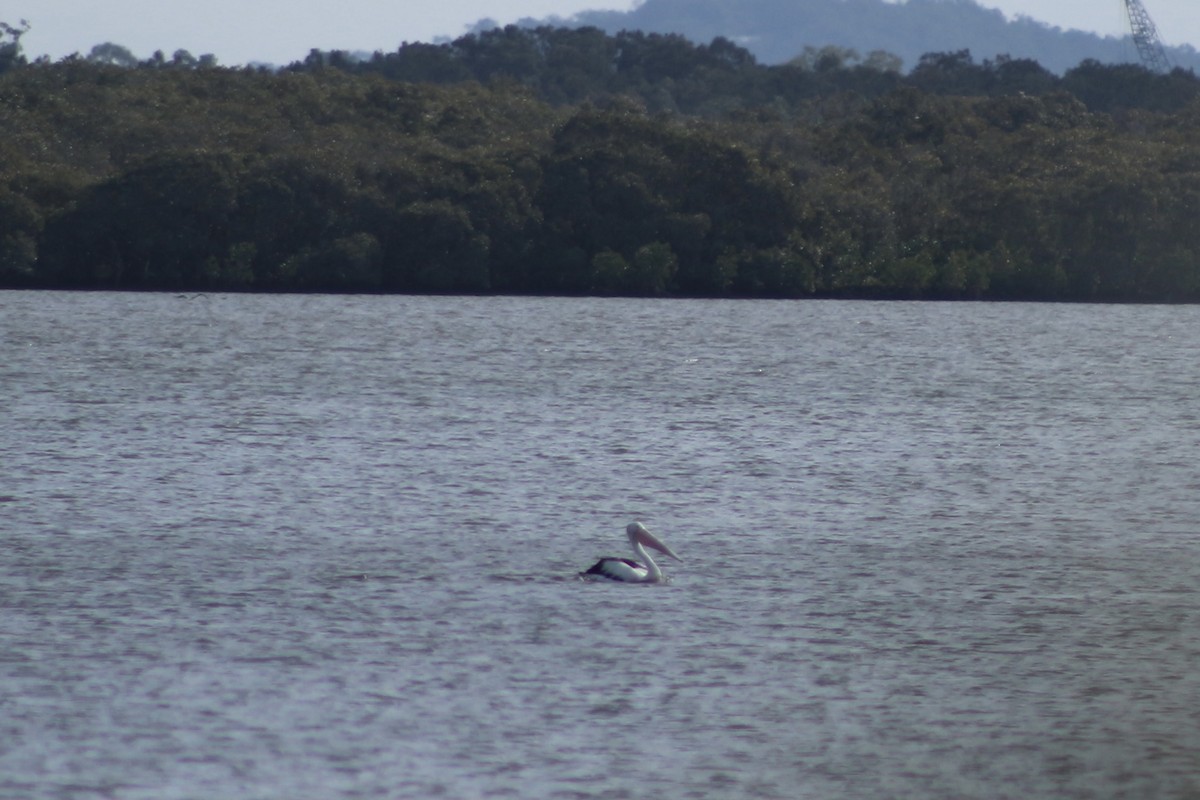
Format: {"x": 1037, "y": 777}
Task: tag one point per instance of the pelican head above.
{"x": 638, "y": 534}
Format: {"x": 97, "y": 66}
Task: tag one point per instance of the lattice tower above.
{"x": 1145, "y": 37}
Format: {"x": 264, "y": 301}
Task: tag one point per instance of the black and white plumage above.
{"x": 627, "y": 570}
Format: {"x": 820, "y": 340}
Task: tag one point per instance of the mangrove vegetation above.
{"x": 577, "y": 162}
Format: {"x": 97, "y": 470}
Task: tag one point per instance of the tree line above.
{"x": 566, "y": 66}
{"x": 339, "y": 175}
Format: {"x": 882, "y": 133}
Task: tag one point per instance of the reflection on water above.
{"x": 326, "y": 546}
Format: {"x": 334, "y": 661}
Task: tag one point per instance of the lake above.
{"x": 326, "y": 547}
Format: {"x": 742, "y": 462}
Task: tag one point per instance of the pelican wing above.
{"x": 617, "y": 569}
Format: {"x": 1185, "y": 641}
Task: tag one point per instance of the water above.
{"x": 324, "y": 547}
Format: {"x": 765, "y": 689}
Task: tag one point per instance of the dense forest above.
{"x": 577, "y": 162}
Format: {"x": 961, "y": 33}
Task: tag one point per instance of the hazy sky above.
{"x": 281, "y": 31}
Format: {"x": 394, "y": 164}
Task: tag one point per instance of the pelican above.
{"x": 623, "y": 569}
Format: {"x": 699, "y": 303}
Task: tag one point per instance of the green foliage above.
{"x": 610, "y": 272}
{"x": 152, "y": 227}
{"x": 827, "y": 177}
{"x": 654, "y": 266}
{"x": 115, "y": 54}
{"x": 20, "y": 224}
{"x": 434, "y": 247}
{"x": 10, "y": 45}
{"x": 668, "y": 73}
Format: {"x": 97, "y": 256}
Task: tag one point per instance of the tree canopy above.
{"x": 559, "y": 161}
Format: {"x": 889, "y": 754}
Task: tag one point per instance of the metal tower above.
{"x": 1145, "y": 37}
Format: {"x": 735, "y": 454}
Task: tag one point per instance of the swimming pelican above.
{"x": 624, "y": 569}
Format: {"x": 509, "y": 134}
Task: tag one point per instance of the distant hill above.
{"x": 776, "y": 31}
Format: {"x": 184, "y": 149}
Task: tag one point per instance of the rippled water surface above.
{"x": 324, "y": 547}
